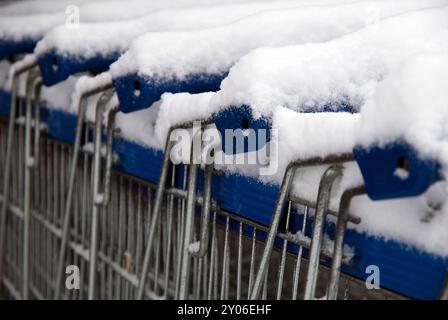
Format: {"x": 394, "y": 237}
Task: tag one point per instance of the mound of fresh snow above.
{"x": 409, "y": 221}
{"x": 411, "y": 104}
{"x": 59, "y": 96}
{"x": 169, "y": 55}
{"x": 101, "y": 39}
{"x": 395, "y": 72}
{"x": 34, "y": 27}
{"x": 342, "y": 70}
{"x": 29, "y": 7}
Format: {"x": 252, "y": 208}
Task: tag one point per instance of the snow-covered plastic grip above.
{"x": 395, "y": 171}
{"x": 8, "y": 48}
{"x": 249, "y": 137}
{"x": 56, "y": 68}
{"x": 136, "y": 92}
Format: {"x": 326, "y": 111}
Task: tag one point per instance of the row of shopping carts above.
{"x": 76, "y": 193}
{"x": 149, "y": 234}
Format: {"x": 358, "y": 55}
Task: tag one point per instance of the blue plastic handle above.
{"x": 8, "y": 48}
{"x": 395, "y": 171}
{"x": 136, "y": 92}
{"x": 241, "y": 118}
{"x": 236, "y": 141}
{"x": 56, "y": 68}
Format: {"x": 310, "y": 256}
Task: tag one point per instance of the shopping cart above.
{"x": 179, "y": 231}
{"x": 196, "y": 240}
{"x": 368, "y": 250}
{"x": 187, "y": 193}
{"x": 224, "y": 271}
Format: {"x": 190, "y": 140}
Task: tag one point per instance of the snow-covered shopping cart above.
{"x": 177, "y": 152}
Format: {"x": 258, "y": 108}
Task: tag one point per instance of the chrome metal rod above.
{"x": 189, "y": 216}
{"x": 206, "y": 203}
{"x": 188, "y": 233}
{"x": 323, "y": 202}
{"x": 37, "y": 128}
{"x": 156, "y": 215}
{"x": 278, "y": 211}
{"x": 343, "y": 219}
{"x": 82, "y": 105}
{"x": 30, "y": 88}
{"x": 105, "y": 196}
{"x": 286, "y": 185}
{"x": 93, "y": 257}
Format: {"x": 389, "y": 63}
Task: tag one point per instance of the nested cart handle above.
{"x": 206, "y": 204}
{"x": 98, "y": 198}
{"x": 104, "y": 197}
{"x": 100, "y": 107}
{"x": 156, "y": 214}
{"x": 34, "y": 85}
{"x": 82, "y": 106}
{"x": 286, "y": 186}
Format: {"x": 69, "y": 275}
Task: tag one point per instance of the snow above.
{"x": 28, "y": 61}
{"x": 342, "y": 70}
{"x": 194, "y": 247}
{"x": 85, "y": 84}
{"x": 404, "y": 220}
{"x": 168, "y": 55}
{"x": 25, "y": 27}
{"x": 411, "y": 104}
{"x": 59, "y": 96}
{"x": 314, "y": 75}
{"x": 29, "y": 7}
{"x": 101, "y": 39}
{"x": 139, "y": 127}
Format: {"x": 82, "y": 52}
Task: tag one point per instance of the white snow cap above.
{"x": 21, "y": 27}
{"x": 85, "y": 84}
{"x": 59, "y": 96}
{"x": 394, "y": 71}
{"x": 28, "y": 7}
{"x": 342, "y": 70}
{"x": 411, "y": 104}
{"x": 210, "y": 51}
{"x": 313, "y": 75}
{"x": 93, "y": 39}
